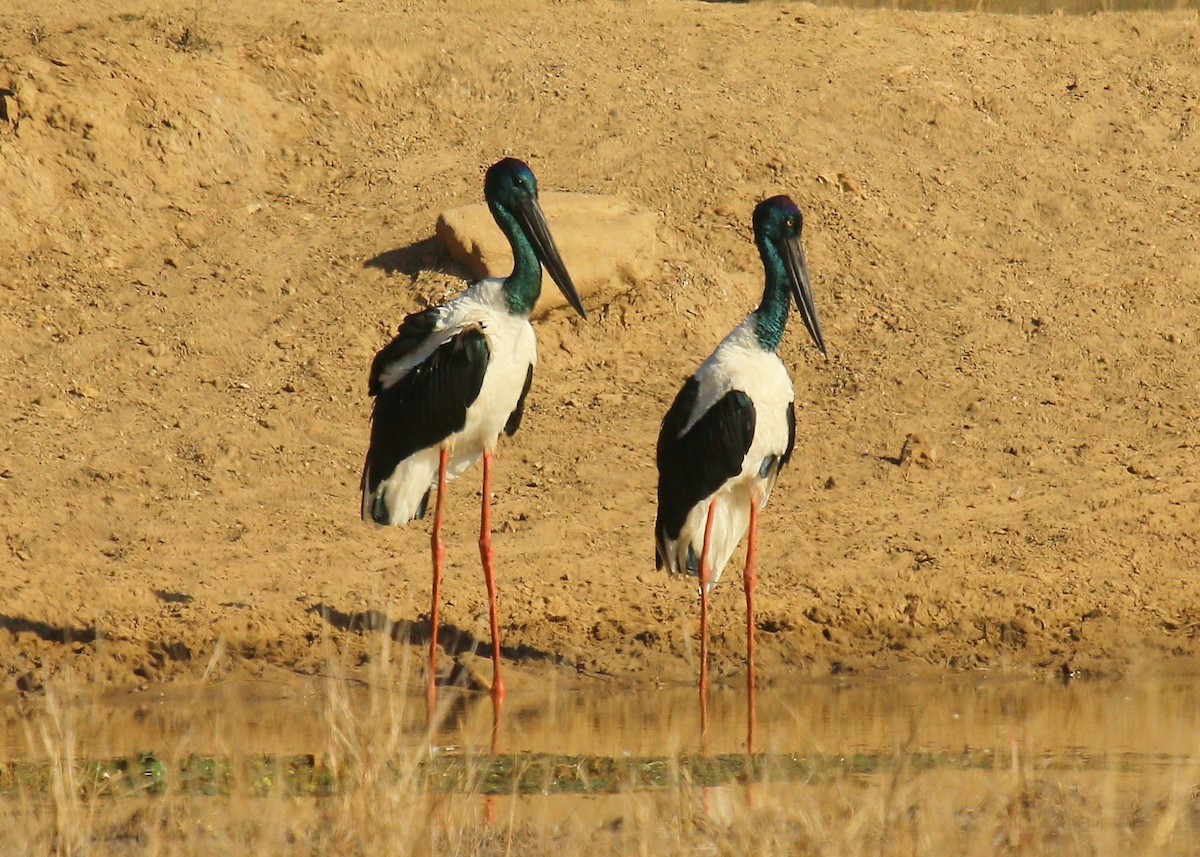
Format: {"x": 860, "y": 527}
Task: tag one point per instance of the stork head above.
{"x": 511, "y": 192}
{"x": 777, "y": 225}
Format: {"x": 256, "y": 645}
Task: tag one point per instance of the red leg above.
{"x": 704, "y": 576}
{"x": 749, "y": 580}
{"x": 489, "y": 573}
{"x": 439, "y": 557}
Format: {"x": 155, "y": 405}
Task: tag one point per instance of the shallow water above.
{"x": 948, "y": 766}
{"x": 1133, "y": 725}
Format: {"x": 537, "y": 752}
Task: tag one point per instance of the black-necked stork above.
{"x": 453, "y": 379}
{"x": 732, "y": 428}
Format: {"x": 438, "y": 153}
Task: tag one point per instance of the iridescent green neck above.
{"x": 524, "y": 285}
{"x": 772, "y": 314}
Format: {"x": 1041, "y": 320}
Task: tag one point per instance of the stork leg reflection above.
{"x": 439, "y": 558}
{"x": 489, "y": 801}
{"x": 749, "y": 580}
{"x": 704, "y": 576}
{"x": 489, "y": 573}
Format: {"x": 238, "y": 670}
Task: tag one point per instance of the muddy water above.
{"x": 1127, "y": 724}
{"x": 1143, "y": 722}
{"x": 958, "y": 754}
{"x": 954, "y": 765}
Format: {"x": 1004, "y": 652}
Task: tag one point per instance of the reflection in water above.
{"x": 957, "y": 762}
{"x": 962, "y": 743}
{"x": 1140, "y": 719}
{"x": 1123, "y": 726}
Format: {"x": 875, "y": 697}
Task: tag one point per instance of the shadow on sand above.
{"x": 453, "y": 640}
{"x": 428, "y": 254}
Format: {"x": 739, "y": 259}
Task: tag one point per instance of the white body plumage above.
{"x": 512, "y": 352}
{"x": 738, "y": 363}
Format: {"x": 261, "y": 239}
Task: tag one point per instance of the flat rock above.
{"x": 602, "y": 240}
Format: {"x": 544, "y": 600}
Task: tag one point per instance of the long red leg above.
{"x": 439, "y": 557}
{"x": 749, "y": 580}
{"x": 704, "y": 576}
{"x": 489, "y": 573}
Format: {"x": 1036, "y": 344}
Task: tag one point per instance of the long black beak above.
{"x": 529, "y": 212}
{"x": 797, "y": 271}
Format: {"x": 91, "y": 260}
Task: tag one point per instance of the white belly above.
{"x": 739, "y": 364}
{"x": 512, "y": 350}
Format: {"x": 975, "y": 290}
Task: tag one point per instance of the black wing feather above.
{"x": 429, "y": 403}
{"x": 413, "y": 331}
{"x": 514, "y": 419}
{"x": 694, "y": 465}
{"x": 791, "y": 421}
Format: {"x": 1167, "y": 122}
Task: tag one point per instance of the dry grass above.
{"x": 368, "y": 737}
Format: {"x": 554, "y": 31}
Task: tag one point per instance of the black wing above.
{"x": 514, "y": 419}
{"x": 791, "y": 421}
{"x": 428, "y": 404}
{"x": 413, "y": 331}
{"x": 693, "y": 466}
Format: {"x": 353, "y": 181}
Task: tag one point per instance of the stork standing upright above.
{"x": 455, "y": 376}
{"x": 732, "y": 428}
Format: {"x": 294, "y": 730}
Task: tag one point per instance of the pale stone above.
{"x": 602, "y": 239}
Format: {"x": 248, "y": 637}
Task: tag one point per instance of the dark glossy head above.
{"x": 508, "y": 180}
{"x": 511, "y": 192}
{"x": 778, "y": 223}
